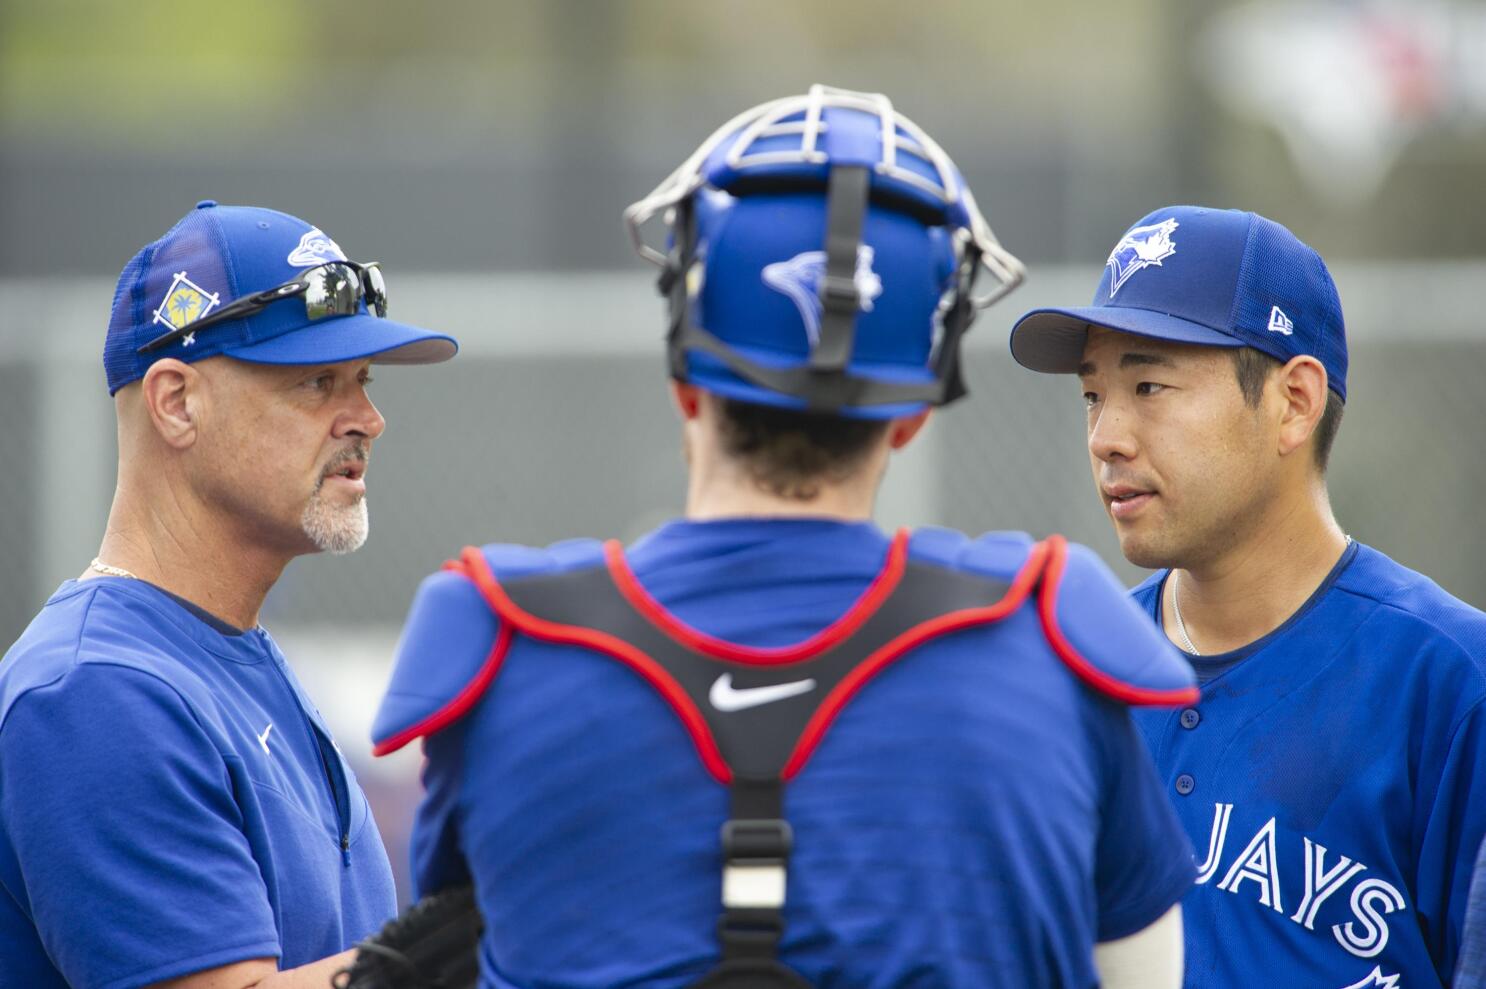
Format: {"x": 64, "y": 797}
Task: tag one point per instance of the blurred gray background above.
{"x": 483, "y": 152}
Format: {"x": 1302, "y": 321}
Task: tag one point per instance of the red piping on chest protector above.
{"x": 1047, "y": 610}
{"x": 863, "y": 608}
{"x": 460, "y": 705}
{"x": 1046, "y": 563}
{"x": 477, "y": 569}
{"x": 836, "y": 700}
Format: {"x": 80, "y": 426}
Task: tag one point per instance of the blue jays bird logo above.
{"x": 1376, "y": 980}
{"x": 315, "y": 248}
{"x": 799, "y": 278}
{"x": 185, "y": 302}
{"x": 1140, "y": 248}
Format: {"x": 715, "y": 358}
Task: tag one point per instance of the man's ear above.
{"x": 1302, "y": 392}
{"x": 902, "y": 431}
{"x": 173, "y": 394}
{"x": 687, "y": 398}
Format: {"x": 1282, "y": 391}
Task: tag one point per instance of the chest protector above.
{"x": 757, "y": 714}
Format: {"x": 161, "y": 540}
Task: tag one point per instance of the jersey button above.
{"x": 1190, "y": 718}
{"x": 1185, "y": 784}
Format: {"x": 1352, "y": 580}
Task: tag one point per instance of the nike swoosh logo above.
{"x": 263, "y": 739}
{"x": 725, "y": 697}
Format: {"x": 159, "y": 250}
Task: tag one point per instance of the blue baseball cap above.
{"x": 1218, "y": 278}
{"x": 217, "y": 254}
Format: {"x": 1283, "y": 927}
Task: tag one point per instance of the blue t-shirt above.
{"x": 1333, "y": 781}
{"x": 170, "y": 801}
{"x": 975, "y": 817}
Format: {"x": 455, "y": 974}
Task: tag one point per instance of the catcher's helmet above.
{"x": 822, "y": 255}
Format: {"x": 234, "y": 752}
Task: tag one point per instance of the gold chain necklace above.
{"x": 1176, "y": 612}
{"x": 1176, "y": 608}
{"x": 100, "y": 567}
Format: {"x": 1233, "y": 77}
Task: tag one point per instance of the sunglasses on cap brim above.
{"x": 332, "y": 289}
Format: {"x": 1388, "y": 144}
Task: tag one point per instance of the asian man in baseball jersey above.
{"x": 770, "y": 745}
{"x": 1331, "y": 775}
{"x": 173, "y": 811}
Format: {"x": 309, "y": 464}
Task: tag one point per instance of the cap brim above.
{"x": 350, "y": 338}
{"x": 1052, "y": 340}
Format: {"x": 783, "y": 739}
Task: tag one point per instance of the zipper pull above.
{"x": 346, "y": 849}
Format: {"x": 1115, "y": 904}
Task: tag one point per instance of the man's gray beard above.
{"x": 337, "y": 529}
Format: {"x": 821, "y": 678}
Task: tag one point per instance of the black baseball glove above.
{"x": 433, "y": 944}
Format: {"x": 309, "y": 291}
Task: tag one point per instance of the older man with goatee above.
{"x": 173, "y": 811}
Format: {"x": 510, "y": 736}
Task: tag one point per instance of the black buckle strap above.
{"x": 956, "y": 322}
{"x": 755, "y": 859}
{"x": 763, "y": 841}
{"x": 673, "y": 285}
{"x": 756, "y": 845}
{"x": 839, "y": 290}
{"x": 820, "y": 390}
{"x": 846, "y": 211}
{"x": 750, "y": 949}
{"x": 752, "y": 934}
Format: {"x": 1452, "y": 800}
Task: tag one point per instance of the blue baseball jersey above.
{"x": 1331, "y": 779}
{"x": 1471, "y": 972}
{"x": 976, "y": 816}
{"x": 170, "y": 801}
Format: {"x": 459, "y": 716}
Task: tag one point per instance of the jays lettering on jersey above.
{"x": 170, "y": 801}
{"x": 1331, "y": 779}
{"x": 977, "y": 814}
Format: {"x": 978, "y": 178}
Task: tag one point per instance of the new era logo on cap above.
{"x": 1279, "y": 322}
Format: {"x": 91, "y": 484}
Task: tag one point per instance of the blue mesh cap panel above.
{"x": 181, "y": 277}
{"x": 120, "y": 362}
{"x": 193, "y": 251}
{"x": 1280, "y": 272}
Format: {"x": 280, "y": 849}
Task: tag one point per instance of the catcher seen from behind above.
{"x": 768, "y": 745}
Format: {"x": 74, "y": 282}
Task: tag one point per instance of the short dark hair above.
{"x": 791, "y": 454}
{"x": 1253, "y": 368}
